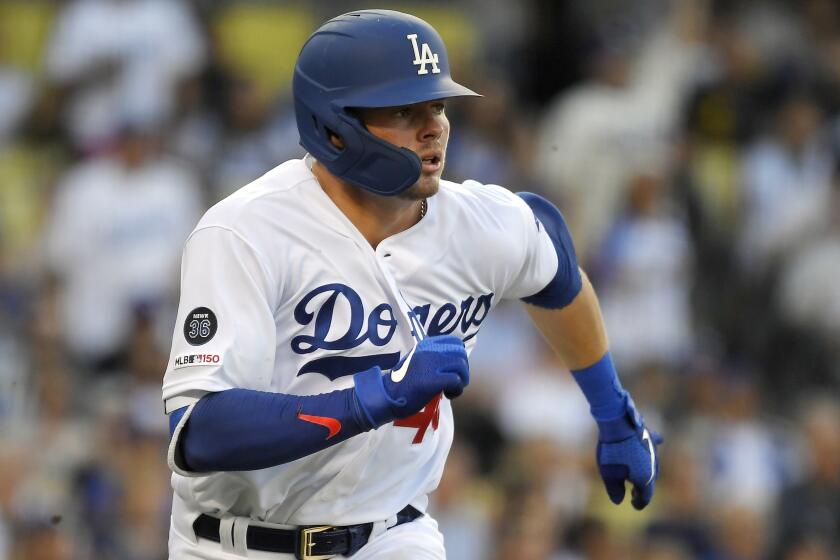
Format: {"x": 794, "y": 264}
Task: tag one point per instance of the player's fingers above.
{"x": 452, "y": 393}
{"x": 614, "y": 477}
{"x": 452, "y": 384}
{"x": 642, "y": 494}
{"x": 461, "y": 368}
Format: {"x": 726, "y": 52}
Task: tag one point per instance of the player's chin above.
{"x": 426, "y": 186}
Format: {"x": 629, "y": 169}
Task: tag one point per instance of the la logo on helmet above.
{"x": 428, "y": 57}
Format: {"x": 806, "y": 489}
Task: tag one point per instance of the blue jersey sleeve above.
{"x": 567, "y": 282}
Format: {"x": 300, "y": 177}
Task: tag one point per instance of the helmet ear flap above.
{"x": 366, "y": 160}
{"x": 375, "y": 164}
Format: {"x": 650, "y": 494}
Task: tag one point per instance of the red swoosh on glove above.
{"x": 333, "y": 425}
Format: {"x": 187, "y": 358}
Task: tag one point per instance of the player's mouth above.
{"x": 431, "y": 163}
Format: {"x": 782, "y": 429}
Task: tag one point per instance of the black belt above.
{"x": 306, "y": 543}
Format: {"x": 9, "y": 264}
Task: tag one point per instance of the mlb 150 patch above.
{"x": 200, "y": 326}
{"x": 189, "y": 360}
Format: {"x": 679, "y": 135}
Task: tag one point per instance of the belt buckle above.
{"x": 306, "y": 543}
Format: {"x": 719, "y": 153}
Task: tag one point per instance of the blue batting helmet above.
{"x": 369, "y": 58}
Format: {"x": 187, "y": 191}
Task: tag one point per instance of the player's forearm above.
{"x": 241, "y": 429}
{"x": 575, "y": 332}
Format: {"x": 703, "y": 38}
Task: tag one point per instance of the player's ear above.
{"x": 335, "y": 139}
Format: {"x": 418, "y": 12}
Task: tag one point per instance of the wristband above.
{"x": 372, "y": 397}
{"x": 601, "y": 387}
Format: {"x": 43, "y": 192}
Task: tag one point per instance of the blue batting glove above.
{"x": 627, "y": 452}
{"x": 438, "y": 364}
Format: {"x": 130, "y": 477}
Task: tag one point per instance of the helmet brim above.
{"x": 403, "y": 92}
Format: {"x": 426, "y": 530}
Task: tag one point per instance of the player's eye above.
{"x": 439, "y": 108}
{"x": 403, "y": 112}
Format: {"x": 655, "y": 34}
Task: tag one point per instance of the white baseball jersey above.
{"x": 281, "y": 293}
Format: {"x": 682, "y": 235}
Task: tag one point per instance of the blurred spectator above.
{"x": 543, "y": 401}
{"x": 121, "y": 491}
{"x": 42, "y": 460}
{"x": 749, "y": 459}
{"x": 625, "y": 113}
{"x": 462, "y": 508}
{"x": 247, "y": 136}
{"x": 42, "y": 541}
{"x": 545, "y": 418}
{"x": 722, "y": 115}
{"x": 810, "y": 547}
{"x": 658, "y": 548}
{"x": 121, "y": 57}
{"x": 508, "y": 343}
{"x": 146, "y": 359}
{"x": 742, "y": 533}
{"x": 558, "y": 475}
{"x": 30, "y": 164}
{"x": 798, "y": 42}
{"x": 114, "y": 240}
{"x": 477, "y": 425}
{"x": 5, "y": 541}
{"x": 683, "y": 519}
{"x": 493, "y": 143}
{"x": 257, "y": 136}
{"x": 526, "y": 531}
{"x": 588, "y": 539}
{"x": 14, "y": 386}
{"x": 821, "y": 27}
{"x": 642, "y": 277}
{"x": 810, "y": 509}
{"x": 809, "y": 296}
{"x": 196, "y": 129}
{"x": 17, "y": 90}
{"x": 786, "y": 184}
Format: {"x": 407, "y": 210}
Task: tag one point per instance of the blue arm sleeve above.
{"x": 241, "y": 429}
{"x": 566, "y": 284}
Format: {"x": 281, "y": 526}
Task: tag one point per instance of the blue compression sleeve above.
{"x": 567, "y": 283}
{"x": 241, "y": 429}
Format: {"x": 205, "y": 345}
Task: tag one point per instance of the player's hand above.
{"x": 627, "y": 452}
{"x": 437, "y": 364}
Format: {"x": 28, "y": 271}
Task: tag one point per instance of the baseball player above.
{"x": 328, "y": 310}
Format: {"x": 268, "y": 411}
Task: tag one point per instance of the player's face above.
{"x": 422, "y": 128}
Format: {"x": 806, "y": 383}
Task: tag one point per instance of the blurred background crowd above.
{"x": 694, "y": 147}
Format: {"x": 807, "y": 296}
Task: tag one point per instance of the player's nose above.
{"x": 433, "y": 126}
